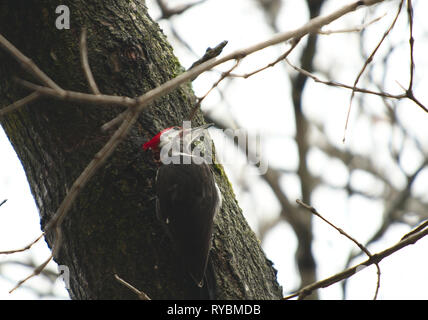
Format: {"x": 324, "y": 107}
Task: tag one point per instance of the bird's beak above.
{"x": 203, "y": 127}
{"x": 194, "y": 133}
{"x": 199, "y": 129}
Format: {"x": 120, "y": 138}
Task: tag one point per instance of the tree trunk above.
{"x": 112, "y": 228}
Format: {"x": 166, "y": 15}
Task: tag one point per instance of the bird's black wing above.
{"x": 187, "y": 201}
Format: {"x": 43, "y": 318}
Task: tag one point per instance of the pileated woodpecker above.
{"x": 187, "y": 195}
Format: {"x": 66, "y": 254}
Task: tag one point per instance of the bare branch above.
{"x": 392, "y": 209}
{"x": 36, "y": 272}
{"x": 408, "y": 93}
{"x": 85, "y": 64}
{"x": 345, "y": 86}
{"x": 366, "y": 63}
{"x": 222, "y": 77}
{"x": 141, "y": 295}
{"x": 282, "y": 57}
{"x": 422, "y": 226}
{"x": 210, "y": 53}
{"x": 411, "y": 43}
{"x": 168, "y": 12}
{"x": 363, "y": 248}
{"x": 114, "y": 122}
{"x": 29, "y": 65}
{"x": 18, "y": 104}
{"x": 68, "y": 95}
{"x": 24, "y": 248}
{"x": 376, "y": 258}
{"x": 354, "y": 29}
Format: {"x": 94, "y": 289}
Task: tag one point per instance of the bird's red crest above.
{"x": 153, "y": 144}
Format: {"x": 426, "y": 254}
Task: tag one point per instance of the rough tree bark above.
{"x": 112, "y": 226}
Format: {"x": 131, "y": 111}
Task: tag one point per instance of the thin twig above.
{"x": 29, "y": 65}
{"x": 375, "y": 258}
{"x": 316, "y": 213}
{"x": 85, "y": 64}
{"x": 408, "y": 94}
{"x": 36, "y": 272}
{"x": 3, "y": 202}
{"x": 68, "y": 95}
{"x": 342, "y": 85}
{"x": 18, "y": 104}
{"x": 362, "y": 247}
{"x": 222, "y": 77}
{"x": 210, "y": 53}
{"x": 42, "y": 266}
{"x": 282, "y": 57}
{"x": 409, "y": 91}
{"x": 167, "y": 12}
{"x": 114, "y": 122}
{"x": 31, "y": 264}
{"x": 398, "y": 201}
{"x": 354, "y": 29}
{"x": 28, "y": 246}
{"x": 420, "y": 227}
{"x": 141, "y": 295}
{"x": 366, "y": 63}
{"x": 411, "y": 42}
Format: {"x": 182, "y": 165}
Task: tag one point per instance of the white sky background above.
{"x": 261, "y": 103}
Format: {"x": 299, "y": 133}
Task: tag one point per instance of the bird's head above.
{"x": 182, "y": 137}
{"x": 162, "y": 138}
